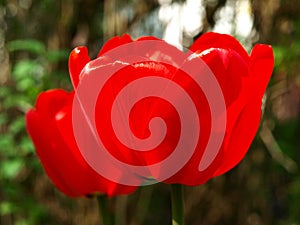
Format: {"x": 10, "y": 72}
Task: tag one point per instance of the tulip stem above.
{"x": 104, "y": 211}
{"x": 177, "y": 204}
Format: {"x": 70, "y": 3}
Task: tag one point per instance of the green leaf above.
{"x": 57, "y": 55}
{"x": 294, "y": 187}
{"x": 26, "y": 145}
{"x": 30, "y": 45}
{"x": 3, "y": 119}
{"x": 6, "y": 144}
{"x": 23, "y": 222}
{"x": 16, "y": 101}
{"x": 17, "y": 125}
{"x": 27, "y": 68}
{"x": 11, "y": 168}
{"x": 25, "y": 84}
{"x": 6, "y": 208}
{"x": 4, "y": 91}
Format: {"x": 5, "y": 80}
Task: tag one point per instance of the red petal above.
{"x": 148, "y": 38}
{"x": 140, "y": 115}
{"x": 50, "y": 102}
{"x": 52, "y": 135}
{"x": 231, "y": 72}
{"x": 260, "y": 67}
{"x": 241, "y": 137}
{"x": 216, "y": 40}
{"x": 229, "y": 69}
{"x": 44, "y": 148}
{"x": 114, "y": 42}
{"x": 78, "y": 59}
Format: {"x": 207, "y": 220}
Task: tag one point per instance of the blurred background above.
{"x": 35, "y": 40}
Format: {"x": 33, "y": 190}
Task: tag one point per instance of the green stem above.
{"x": 177, "y": 204}
{"x": 104, "y": 211}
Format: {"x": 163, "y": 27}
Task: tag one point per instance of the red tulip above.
{"x": 243, "y": 80}
{"x": 60, "y": 137}
{"x": 50, "y": 128}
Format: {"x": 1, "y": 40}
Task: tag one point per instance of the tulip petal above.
{"x": 260, "y": 67}
{"x": 231, "y": 72}
{"x": 140, "y": 115}
{"x": 78, "y": 59}
{"x": 216, "y": 40}
{"x": 50, "y": 127}
{"x": 50, "y": 102}
{"x": 241, "y": 137}
{"x": 148, "y": 38}
{"x": 113, "y": 43}
{"x": 44, "y": 147}
{"x": 229, "y": 69}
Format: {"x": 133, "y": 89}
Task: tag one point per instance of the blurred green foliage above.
{"x": 30, "y": 74}
{"x": 35, "y": 40}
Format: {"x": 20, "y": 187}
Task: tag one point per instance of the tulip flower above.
{"x": 145, "y": 110}
{"x": 50, "y": 128}
{"x": 242, "y": 79}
